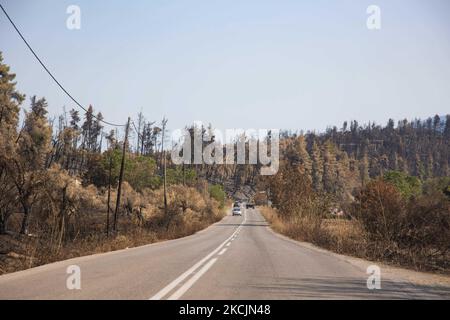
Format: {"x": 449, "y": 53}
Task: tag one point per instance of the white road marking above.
{"x": 163, "y": 292}
{"x": 223, "y": 251}
{"x": 192, "y": 280}
{"x": 228, "y": 244}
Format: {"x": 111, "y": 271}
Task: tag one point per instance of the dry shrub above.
{"x": 74, "y": 225}
{"x": 344, "y": 236}
{"x": 381, "y": 209}
{"x": 299, "y": 209}
{"x": 301, "y": 227}
{"x": 339, "y": 235}
{"x": 273, "y": 218}
{"x": 414, "y": 232}
{"x": 426, "y": 232}
{"x": 188, "y": 211}
{"x": 385, "y": 226}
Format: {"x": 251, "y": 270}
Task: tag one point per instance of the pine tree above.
{"x": 393, "y": 161}
{"x": 329, "y": 169}
{"x": 95, "y": 133}
{"x": 317, "y": 167}
{"x": 364, "y": 169}
{"x": 447, "y": 128}
{"x": 35, "y": 139}
{"x": 74, "y": 119}
{"x": 111, "y": 140}
{"x": 297, "y": 155}
{"x": 303, "y": 156}
{"x": 343, "y": 174}
{"x": 33, "y": 149}
{"x": 419, "y": 170}
{"x": 87, "y": 128}
{"x": 436, "y": 123}
{"x": 403, "y": 165}
{"x": 10, "y": 101}
{"x": 430, "y": 166}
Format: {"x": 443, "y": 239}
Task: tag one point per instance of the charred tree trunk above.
{"x": 62, "y": 214}
{"x": 26, "y": 217}
{"x": 3, "y": 221}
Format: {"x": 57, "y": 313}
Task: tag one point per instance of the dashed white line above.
{"x": 223, "y": 251}
{"x": 192, "y": 280}
{"x": 163, "y": 292}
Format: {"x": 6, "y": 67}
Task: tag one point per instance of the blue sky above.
{"x": 237, "y": 64}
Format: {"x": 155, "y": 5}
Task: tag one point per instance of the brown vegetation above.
{"x": 142, "y": 221}
{"x": 387, "y": 215}
{"x": 384, "y": 227}
{"x": 58, "y": 186}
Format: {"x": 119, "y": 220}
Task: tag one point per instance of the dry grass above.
{"x": 19, "y": 252}
{"x": 348, "y": 237}
{"x": 345, "y": 236}
{"x": 87, "y": 236}
{"x": 338, "y": 235}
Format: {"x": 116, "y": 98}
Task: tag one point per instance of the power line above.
{"x": 51, "y": 75}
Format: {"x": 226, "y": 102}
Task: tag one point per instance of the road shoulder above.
{"x": 58, "y": 264}
{"x": 390, "y": 272}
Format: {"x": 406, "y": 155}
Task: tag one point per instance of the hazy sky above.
{"x": 237, "y": 64}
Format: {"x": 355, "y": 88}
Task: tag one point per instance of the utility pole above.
{"x": 164, "y": 122}
{"x": 122, "y": 165}
{"x": 109, "y": 196}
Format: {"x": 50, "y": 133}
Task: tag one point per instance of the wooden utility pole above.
{"x": 122, "y": 166}
{"x": 109, "y": 196}
{"x": 164, "y": 122}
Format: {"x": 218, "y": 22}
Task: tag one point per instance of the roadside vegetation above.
{"x": 330, "y": 198}
{"x": 59, "y": 185}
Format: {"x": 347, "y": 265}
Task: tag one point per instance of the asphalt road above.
{"x": 236, "y": 258}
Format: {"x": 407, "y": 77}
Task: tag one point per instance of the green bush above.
{"x": 408, "y": 186}
{"x": 216, "y": 192}
{"x": 177, "y": 176}
{"x": 140, "y": 171}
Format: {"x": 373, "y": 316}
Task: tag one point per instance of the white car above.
{"x": 237, "y": 211}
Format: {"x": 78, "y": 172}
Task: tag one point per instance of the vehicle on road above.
{"x": 237, "y": 211}
{"x": 250, "y": 205}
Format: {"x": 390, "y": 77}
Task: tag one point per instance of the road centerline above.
{"x": 192, "y": 280}
{"x": 163, "y": 292}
